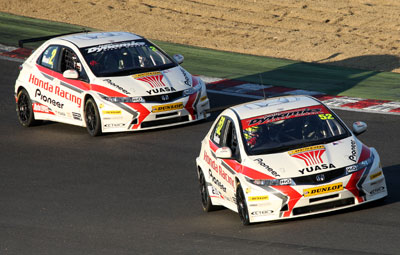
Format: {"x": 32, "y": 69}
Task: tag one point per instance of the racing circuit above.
{"x": 64, "y": 192}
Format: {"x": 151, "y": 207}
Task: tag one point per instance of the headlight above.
{"x": 124, "y": 99}
{"x": 361, "y": 165}
{"x": 272, "y": 182}
{"x": 192, "y": 90}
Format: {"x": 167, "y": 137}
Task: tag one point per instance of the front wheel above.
{"x": 242, "y": 205}
{"x": 24, "y": 109}
{"x": 92, "y": 118}
{"x": 205, "y": 197}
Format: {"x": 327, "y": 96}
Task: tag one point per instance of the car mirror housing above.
{"x": 224, "y": 153}
{"x": 178, "y": 58}
{"x": 71, "y": 74}
{"x": 359, "y": 127}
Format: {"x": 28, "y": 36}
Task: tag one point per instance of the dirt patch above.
{"x": 359, "y": 33}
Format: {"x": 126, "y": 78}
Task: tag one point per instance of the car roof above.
{"x": 273, "y": 105}
{"x": 88, "y": 39}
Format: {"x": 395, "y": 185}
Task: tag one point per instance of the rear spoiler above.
{"x": 44, "y": 38}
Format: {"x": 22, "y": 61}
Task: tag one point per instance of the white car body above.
{"x": 292, "y": 182}
{"x": 127, "y": 102}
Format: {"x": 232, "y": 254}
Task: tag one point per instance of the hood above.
{"x": 308, "y": 160}
{"x": 150, "y": 83}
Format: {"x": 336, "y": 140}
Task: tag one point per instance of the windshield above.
{"x": 291, "y": 129}
{"x": 125, "y": 58}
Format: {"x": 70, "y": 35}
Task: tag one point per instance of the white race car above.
{"x": 286, "y": 157}
{"x": 108, "y": 82}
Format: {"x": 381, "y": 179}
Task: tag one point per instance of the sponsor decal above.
{"x": 317, "y": 168}
{"x": 267, "y": 167}
{"x": 323, "y": 189}
{"x": 214, "y": 191}
{"x": 377, "y": 182}
{"x": 114, "y": 46}
{"x": 76, "y": 116}
{"x": 57, "y": 90}
{"x": 286, "y": 181}
{"x": 114, "y": 125}
{"x": 117, "y": 86}
{"x": 153, "y": 81}
{"x": 310, "y": 155}
{"x": 167, "y": 107}
{"x": 218, "y": 169}
{"x": 377, "y": 190}
{"x": 376, "y": 175}
{"x": 185, "y": 75}
{"x": 262, "y": 213}
{"x": 141, "y": 75}
{"x": 47, "y": 99}
{"x": 353, "y": 156}
{"x": 160, "y": 90}
{"x": 112, "y": 112}
{"x": 258, "y": 198}
{"x": 41, "y": 108}
{"x": 216, "y": 181}
{"x": 61, "y": 113}
{"x": 284, "y": 115}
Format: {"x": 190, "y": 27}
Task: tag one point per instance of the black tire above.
{"x": 24, "y": 109}
{"x": 242, "y": 205}
{"x": 205, "y": 197}
{"x": 92, "y": 118}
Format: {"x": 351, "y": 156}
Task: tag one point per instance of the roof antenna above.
{"x": 262, "y": 84}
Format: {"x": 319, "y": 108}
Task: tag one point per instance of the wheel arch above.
{"x": 19, "y": 88}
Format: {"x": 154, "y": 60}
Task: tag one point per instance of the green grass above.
{"x": 331, "y": 80}
{"x": 13, "y": 28}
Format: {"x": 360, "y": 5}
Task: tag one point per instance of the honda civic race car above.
{"x": 286, "y": 157}
{"x": 108, "y": 82}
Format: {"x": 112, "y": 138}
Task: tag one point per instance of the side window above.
{"x": 231, "y": 140}
{"x": 50, "y": 56}
{"x": 218, "y": 132}
{"x": 69, "y": 60}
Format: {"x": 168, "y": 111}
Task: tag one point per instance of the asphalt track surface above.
{"x": 64, "y": 192}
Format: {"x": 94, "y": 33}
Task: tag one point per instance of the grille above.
{"x": 157, "y": 98}
{"x": 323, "y": 207}
{"x": 166, "y": 115}
{"x": 155, "y": 123}
{"x": 312, "y": 179}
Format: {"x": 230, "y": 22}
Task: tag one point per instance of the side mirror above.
{"x": 178, "y": 58}
{"x": 71, "y": 74}
{"x": 224, "y": 153}
{"x": 359, "y": 127}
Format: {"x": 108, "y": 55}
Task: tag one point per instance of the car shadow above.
{"x": 330, "y": 77}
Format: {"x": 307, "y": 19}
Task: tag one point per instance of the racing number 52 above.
{"x": 327, "y": 116}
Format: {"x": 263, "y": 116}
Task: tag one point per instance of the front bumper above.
{"x": 118, "y": 117}
{"x": 283, "y": 202}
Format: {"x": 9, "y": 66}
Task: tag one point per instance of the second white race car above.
{"x": 286, "y": 157}
{"x": 108, "y": 82}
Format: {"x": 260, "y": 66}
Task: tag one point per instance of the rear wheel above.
{"x": 24, "y": 109}
{"x": 205, "y": 197}
{"x": 242, "y": 205}
{"x": 92, "y": 118}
